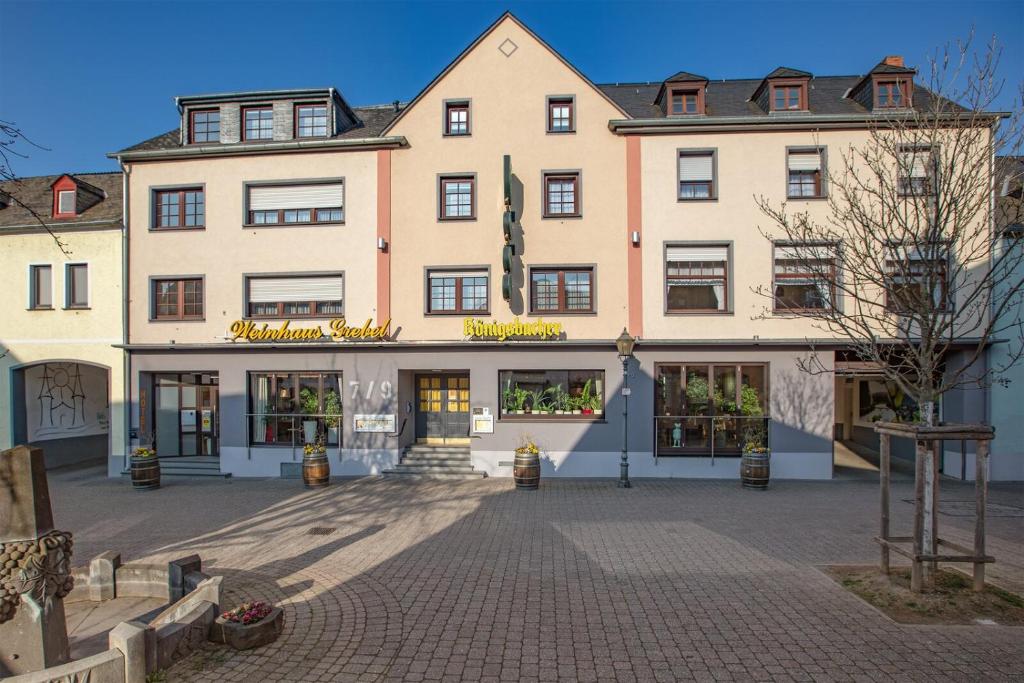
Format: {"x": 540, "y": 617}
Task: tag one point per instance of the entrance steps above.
{"x": 429, "y": 461}
{"x": 198, "y": 466}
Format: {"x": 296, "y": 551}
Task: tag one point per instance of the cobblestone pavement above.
{"x": 669, "y": 580}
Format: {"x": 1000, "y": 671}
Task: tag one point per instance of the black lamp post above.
{"x": 625, "y": 344}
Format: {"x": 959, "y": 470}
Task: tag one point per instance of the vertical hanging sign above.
{"x": 507, "y": 219}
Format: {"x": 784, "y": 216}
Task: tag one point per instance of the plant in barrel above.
{"x": 316, "y": 469}
{"x": 145, "y": 469}
{"x": 526, "y": 466}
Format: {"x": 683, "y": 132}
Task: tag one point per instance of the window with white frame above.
{"x": 805, "y": 277}
{"x": 296, "y": 203}
{"x": 66, "y": 202}
{"x": 696, "y": 279}
{"x": 697, "y": 174}
{"x": 916, "y": 171}
{"x": 295, "y": 296}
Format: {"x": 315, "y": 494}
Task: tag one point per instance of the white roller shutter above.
{"x": 447, "y": 274}
{"x": 695, "y": 167}
{"x": 275, "y": 289}
{"x": 318, "y": 196}
{"x": 816, "y": 251}
{"x": 805, "y": 161}
{"x": 697, "y": 254}
{"x": 916, "y": 162}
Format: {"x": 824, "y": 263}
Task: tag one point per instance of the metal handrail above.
{"x": 293, "y": 429}
{"x": 766, "y": 419}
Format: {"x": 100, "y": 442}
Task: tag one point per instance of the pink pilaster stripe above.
{"x": 634, "y": 222}
{"x": 384, "y": 230}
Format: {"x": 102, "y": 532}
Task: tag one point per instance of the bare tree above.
{"x": 10, "y": 136}
{"x": 904, "y": 263}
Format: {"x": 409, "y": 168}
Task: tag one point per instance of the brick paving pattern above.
{"x": 580, "y": 581}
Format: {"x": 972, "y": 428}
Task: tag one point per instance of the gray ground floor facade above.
{"x": 690, "y": 407}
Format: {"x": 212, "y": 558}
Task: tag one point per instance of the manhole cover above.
{"x": 965, "y": 508}
{"x": 321, "y": 531}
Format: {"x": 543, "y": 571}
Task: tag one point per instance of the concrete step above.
{"x": 409, "y": 467}
{"x": 448, "y": 475}
{"x": 193, "y": 472}
{"x": 428, "y": 460}
{"x": 437, "y": 450}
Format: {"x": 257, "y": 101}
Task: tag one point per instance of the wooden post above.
{"x": 933, "y": 549}
{"x": 919, "y": 489}
{"x": 883, "y": 478}
{"x": 980, "y": 501}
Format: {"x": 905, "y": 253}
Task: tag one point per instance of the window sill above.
{"x": 573, "y": 419}
{"x": 40, "y": 308}
{"x": 456, "y": 219}
{"x": 452, "y": 314}
{"x": 689, "y": 200}
{"x": 561, "y": 216}
{"x": 541, "y": 314}
{"x": 561, "y": 132}
{"x": 177, "y": 320}
{"x": 806, "y": 199}
{"x": 78, "y": 308}
{"x": 697, "y": 312}
{"x": 246, "y": 226}
{"x": 265, "y": 318}
{"x": 456, "y": 135}
{"x": 190, "y": 228}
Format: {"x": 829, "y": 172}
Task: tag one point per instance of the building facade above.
{"x": 61, "y": 368}
{"x": 454, "y": 271}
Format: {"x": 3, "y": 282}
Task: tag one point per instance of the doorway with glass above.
{"x": 186, "y": 414}
{"x": 442, "y": 408}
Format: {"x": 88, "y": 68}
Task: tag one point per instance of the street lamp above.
{"x": 625, "y": 344}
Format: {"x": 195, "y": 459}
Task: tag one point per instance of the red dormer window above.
{"x": 789, "y": 97}
{"x": 65, "y": 198}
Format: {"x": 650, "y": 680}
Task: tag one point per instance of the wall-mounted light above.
{"x": 382, "y": 243}
{"x": 635, "y": 237}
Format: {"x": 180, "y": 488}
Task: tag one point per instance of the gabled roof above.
{"x": 786, "y": 72}
{"x": 81, "y": 184}
{"x": 37, "y": 193}
{"x": 462, "y": 55}
{"x": 882, "y": 68}
{"x": 685, "y": 76}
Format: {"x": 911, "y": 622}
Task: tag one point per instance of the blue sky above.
{"x": 87, "y": 78}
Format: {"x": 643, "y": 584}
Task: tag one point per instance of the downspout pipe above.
{"x": 126, "y": 357}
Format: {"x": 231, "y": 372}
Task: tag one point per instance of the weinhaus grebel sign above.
{"x": 336, "y": 330}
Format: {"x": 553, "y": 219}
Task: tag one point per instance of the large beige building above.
{"x": 61, "y": 371}
{"x": 423, "y": 285}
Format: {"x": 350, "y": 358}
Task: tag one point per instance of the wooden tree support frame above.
{"x": 925, "y": 543}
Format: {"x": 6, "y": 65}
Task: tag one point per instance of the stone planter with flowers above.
{"x": 249, "y": 625}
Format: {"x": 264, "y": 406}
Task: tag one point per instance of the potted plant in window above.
{"x": 586, "y": 402}
{"x": 309, "y": 404}
{"x": 145, "y": 469}
{"x": 596, "y": 404}
{"x": 332, "y": 409}
{"x": 558, "y": 399}
{"x": 508, "y": 399}
{"x": 519, "y": 402}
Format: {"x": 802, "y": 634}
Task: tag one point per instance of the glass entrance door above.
{"x": 442, "y": 408}
{"x": 186, "y": 414}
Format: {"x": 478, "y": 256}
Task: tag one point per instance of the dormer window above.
{"x": 311, "y": 121}
{"x": 205, "y": 125}
{"x": 66, "y": 202}
{"x": 788, "y": 97}
{"x": 891, "y": 94}
{"x": 259, "y": 123}
{"x": 685, "y": 102}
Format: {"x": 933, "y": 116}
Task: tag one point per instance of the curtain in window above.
{"x": 260, "y": 406}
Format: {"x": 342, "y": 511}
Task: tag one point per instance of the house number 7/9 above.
{"x": 384, "y": 388}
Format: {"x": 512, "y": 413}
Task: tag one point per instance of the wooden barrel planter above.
{"x": 316, "y": 471}
{"x": 526, "y": 470}
{"x": 755, "y": 469}
{"x": 145, "y": 473}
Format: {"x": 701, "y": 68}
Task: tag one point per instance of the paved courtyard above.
{"x": 582, "y": 581}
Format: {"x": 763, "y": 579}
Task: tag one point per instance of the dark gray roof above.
{"x": 37, "y": 193}
{"x": 372, "y": 121}
{"x": 786, "y": 72}
{"x": 826, "y": 95}
{"x": 883, "y": 68}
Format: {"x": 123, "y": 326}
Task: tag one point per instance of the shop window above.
{"x": 179, "y": 208}
{"x": 696, "y": 279}
{"x": 76, "y": 282}
{"x": 697, "y": 173}
{"x": 296, "y": 204}
{"x": 205, "y": 126}
{"x": 804, "y": 169}
{"x": 295, "y": 408}
{"x": 916, "y": 279}
{"x": 315, "y": 296}
{"x": 561, "y": 290}
{"x": 177, "y": 299}
{"x": 311, "y": 121}
{"x": 40, "y": 295}
{"x": 551, "y": 394}
{"x": 805, "y": 277}
{"x": 710, "y": 407}
{"x": 457, "y": 292}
